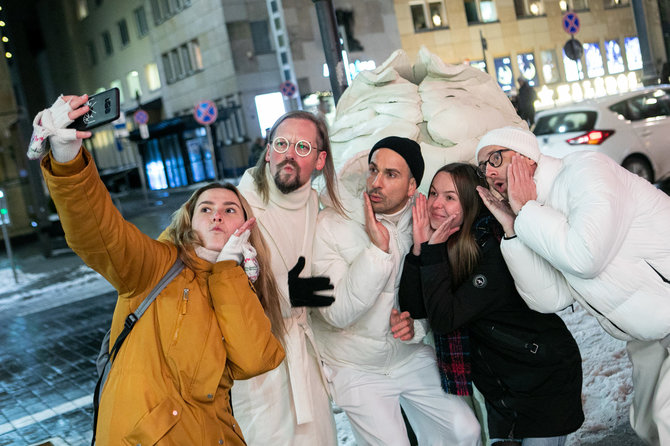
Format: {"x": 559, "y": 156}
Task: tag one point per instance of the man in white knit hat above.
{"x": 600, "y": 235}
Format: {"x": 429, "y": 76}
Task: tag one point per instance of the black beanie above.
{"x": 408, "y": 149}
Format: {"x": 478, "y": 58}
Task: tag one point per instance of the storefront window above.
{"x": 478, "y": 64}
{"x": 614, "y": 58}
{"x": 549, "y": 67}
{"x": 504, "y": 75}
{"x": 573, "y": 69}
{"x": 633, "y": 54}
{"x": 527, "y": 68}
{"x": 594, "y": 60}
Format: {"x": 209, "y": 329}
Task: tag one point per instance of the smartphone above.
{"x": 103, "y": 108}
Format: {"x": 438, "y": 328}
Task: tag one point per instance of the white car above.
{"x": 633, "y": 128}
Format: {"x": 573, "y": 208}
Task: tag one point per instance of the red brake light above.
{"x": 592, "y": 137}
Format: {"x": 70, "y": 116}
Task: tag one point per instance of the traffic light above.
{"x": 4, "y": 212}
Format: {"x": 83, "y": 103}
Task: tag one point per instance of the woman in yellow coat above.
{"x": 170, "y": 382}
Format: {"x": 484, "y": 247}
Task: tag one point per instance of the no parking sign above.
{"x": 288, "y": 89}
{"x": 205, "y": 112}
{"x": 570, "y": 22}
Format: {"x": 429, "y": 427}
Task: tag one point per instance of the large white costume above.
{"x": 288, "y": 405}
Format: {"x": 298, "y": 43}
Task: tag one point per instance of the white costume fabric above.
{"x": 371, "y": 372}
{"x": 288, "y": 405}
{"x": 601, "y": 234}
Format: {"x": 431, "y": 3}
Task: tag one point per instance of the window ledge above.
{"x": 427, "y": 30}
{"x": 483, "y": 23}
{"x": 524, "y": 17}
{"x": 617, "y": 6}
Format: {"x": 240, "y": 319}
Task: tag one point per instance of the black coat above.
{"x": 526, "y": 364}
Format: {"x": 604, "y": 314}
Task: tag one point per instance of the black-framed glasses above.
{"x": 302, "y": 147}
{"x": 494, "y": 160}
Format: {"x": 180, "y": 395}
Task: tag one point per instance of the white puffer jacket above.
{"x": 355, "y": 330}
{"x": 607, "y": 232}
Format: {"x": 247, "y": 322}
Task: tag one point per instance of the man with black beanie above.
{"x": 373, "y": 356}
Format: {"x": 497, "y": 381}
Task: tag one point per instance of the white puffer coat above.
{"x": 606, "y": 231}
{"x": 355, "y": 331}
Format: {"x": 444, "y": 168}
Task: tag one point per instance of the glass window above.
{"x": 436, "y": 13}
{"x": 107, "y": 43}
{"x": 504, "y": 75}
{"x": 133, "y": 81}
{"x": 615, "y": 3}
{"x": 176, "y": 64}
{"x": 480, "y": 11}
{"x": 117, "y": 84}
{"x": 156, "y": 10}
{"x": 578, "y": 121}
{"x": 196, "y": 54}
{"x": 528, "y": 68}
{"x": 594, "y": 60}
{"x": 153, "y": 79}
{"x": 123, "y": 31}
{"x": 528, "y": 8}
{"x": 92, "y": 54}
{"x": 478, "y": 64}
{"x": 418, "y": 17}
{"x": 167, "y": 67}
{"x": 186, "y": 59}
{"x": 573, "y": 69}
{"x": 573, "y": 5}
{"x": 549, "y": 67}
{"x": 166, "y": 9}
{"x": 260, "y": 37}
{"x": 82, "y": 9}
{"x": 633, "y": 54}
{"x": 614, "y": 57}
{"x": 141, "y": 21}
{"x": 428, "y": 15}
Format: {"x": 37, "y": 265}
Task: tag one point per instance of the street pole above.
{"x": 484, "y": 46}
{"x": 332, "y": 47}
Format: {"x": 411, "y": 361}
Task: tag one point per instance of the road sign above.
{"x": 205, "y": 112}
{"x": 570, "y": 22}
{"x": 288, "y": 89}
{"x": 141, "y": 117}
{"x": 4, "y": 210}
{"x": 573, "y": 49}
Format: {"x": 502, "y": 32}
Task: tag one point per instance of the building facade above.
{"x": 513, "y": 38}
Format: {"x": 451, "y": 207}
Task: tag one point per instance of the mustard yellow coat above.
{"x": 170, "y": 382}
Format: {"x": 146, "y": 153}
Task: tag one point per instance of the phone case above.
{"x": 104, "y": 108}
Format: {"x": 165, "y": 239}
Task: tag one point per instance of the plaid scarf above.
{"x": 453, "y": 361}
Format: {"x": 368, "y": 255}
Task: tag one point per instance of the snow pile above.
{"x": 9, "y": 284}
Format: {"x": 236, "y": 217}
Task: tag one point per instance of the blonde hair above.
{"x": 181, "y": 233}
{"x": 323, "y": 144}
{"x": 462, "y": 246}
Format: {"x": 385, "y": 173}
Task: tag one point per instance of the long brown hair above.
{"x": 324, "y": 146}
{"x": 462, "y": 246}
{"x": 181, "y": 233}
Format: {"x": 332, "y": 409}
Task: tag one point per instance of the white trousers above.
{"x": 263, "y": 406}
{"x": 650, "y": 411}
{"x": 372, "y": 402}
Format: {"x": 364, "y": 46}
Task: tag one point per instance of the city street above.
{"x": 54, "y": 319}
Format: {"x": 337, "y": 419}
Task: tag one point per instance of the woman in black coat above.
{"x": 526, "y": 364}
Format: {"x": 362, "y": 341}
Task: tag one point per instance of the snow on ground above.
{"x": 9, "y": 283}
{"x": 607, "y": 389}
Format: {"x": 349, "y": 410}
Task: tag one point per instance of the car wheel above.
{"x": 639, "y": 166}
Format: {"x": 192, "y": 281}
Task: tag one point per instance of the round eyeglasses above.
{"x": 495, "y": 159}
{"x": 302, "y": 147}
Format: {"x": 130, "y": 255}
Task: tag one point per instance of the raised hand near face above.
{"x": 445, "y": 230}
{"x": 499, "y": 209}
{"x": 402, "y": 325}
{"x": 521, "y": 187}
{"x": 377, "y": 232}
{"x": 421, "y": 229}
{"x": 304, "y": 291}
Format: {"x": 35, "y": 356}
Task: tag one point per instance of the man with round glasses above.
{"x": 585, "y": 229}
{"x": 290, "y": 405}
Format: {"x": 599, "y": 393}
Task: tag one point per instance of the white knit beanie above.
{"x": 521, "y": 141}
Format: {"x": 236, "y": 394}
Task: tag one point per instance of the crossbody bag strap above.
{"x": 128, "y": 325}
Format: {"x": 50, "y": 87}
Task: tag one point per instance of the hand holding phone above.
{"x": 103, "y": 108}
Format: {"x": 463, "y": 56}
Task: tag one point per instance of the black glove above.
{"x": 301, "y": 290}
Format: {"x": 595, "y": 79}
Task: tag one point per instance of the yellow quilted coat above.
{"x": 170, "y": 382}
